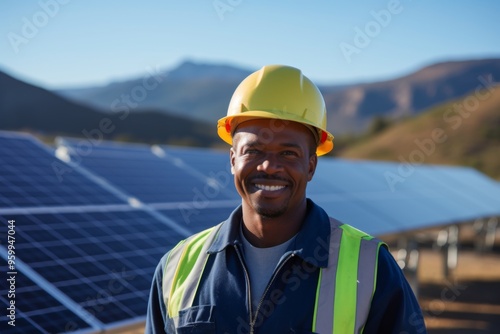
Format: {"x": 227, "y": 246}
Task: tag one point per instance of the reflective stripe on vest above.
{"x": 183, "y": 270}
{"x": 345, "y": 288}
{"x": 349, "y": 281}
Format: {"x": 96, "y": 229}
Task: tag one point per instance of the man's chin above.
{"x": 270, "y": 212}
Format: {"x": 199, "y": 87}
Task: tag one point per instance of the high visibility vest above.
{"x": 344, "y": 291}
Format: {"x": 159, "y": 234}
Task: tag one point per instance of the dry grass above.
{"x": 467, "y": 302}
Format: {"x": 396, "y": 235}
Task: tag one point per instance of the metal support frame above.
{"x": 447, "y": 240}
{"x": 407, "y": 258}
{"x": 485, "y": 234}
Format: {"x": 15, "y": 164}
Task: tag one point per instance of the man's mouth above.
{"x": 269, "y": 187}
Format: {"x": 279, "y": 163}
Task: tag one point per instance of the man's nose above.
{"x": 270, "y": 164}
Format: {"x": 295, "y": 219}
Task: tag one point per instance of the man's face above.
{"x": 272, "y": 162}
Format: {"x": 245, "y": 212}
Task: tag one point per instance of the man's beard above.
{"x": 270, "y": 213}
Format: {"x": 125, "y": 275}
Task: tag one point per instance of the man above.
{"x": 279, "y": 264}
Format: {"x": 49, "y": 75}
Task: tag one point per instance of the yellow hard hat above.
{"x": 279, "y": 92}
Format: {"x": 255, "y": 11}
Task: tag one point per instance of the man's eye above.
{"x": 252, "y": 151}
{"x": 290, "y": 153}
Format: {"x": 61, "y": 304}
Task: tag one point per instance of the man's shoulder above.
{"x": 178, "y": 248}
{"x": 198, "y": 237}
{"x": 352, "y": 231}
{"x": 200, "y": 234}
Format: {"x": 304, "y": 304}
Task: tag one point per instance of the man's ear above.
{"x": 313, "y": 162}
{"x": 231, "y": 159}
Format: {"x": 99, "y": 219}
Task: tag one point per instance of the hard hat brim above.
{"x": 226, "y": 125}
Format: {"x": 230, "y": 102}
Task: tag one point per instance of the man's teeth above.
{"x": 269, "y": 188}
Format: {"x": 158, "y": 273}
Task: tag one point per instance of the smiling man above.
{"x": 279, "y": 263}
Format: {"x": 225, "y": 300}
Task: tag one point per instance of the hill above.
{"x": 202, "y": 91}
{"x": 353, "y": 108}
{"x": 462, "y": 132}
{"x": 30, "y": 108}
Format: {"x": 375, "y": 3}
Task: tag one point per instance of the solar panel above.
{"x": 199, "y": 219}
{"x": 102, "y": 260}
{"x": 35, "y": 309}
{"x": 31, "y": 176}
{"x": 436, "y": 194}
{"x": 211, "y": 163}
{"x": 379, "y": 198}
{"x": 480, "y": 188}
{"x": 152, "y": 178}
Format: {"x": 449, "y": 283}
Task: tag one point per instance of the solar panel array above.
{"x": 92, "y": 220}
{"x": 90, "y": 232}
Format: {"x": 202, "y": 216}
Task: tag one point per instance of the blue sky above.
{"x": 64, "y": 43}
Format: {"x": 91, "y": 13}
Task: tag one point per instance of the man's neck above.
{"x": 268, "y": 232}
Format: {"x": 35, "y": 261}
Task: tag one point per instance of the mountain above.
{"x": 352, "y": 109}
{"x": 465, "y": 131}
{"x": 203, "y": 91}
{"x": 30, "y": 108}
{"x": 198, "y": 91}
{"x": 190, "y": 70}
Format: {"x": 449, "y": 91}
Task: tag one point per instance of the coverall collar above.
{"x": 311, "y": 242}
